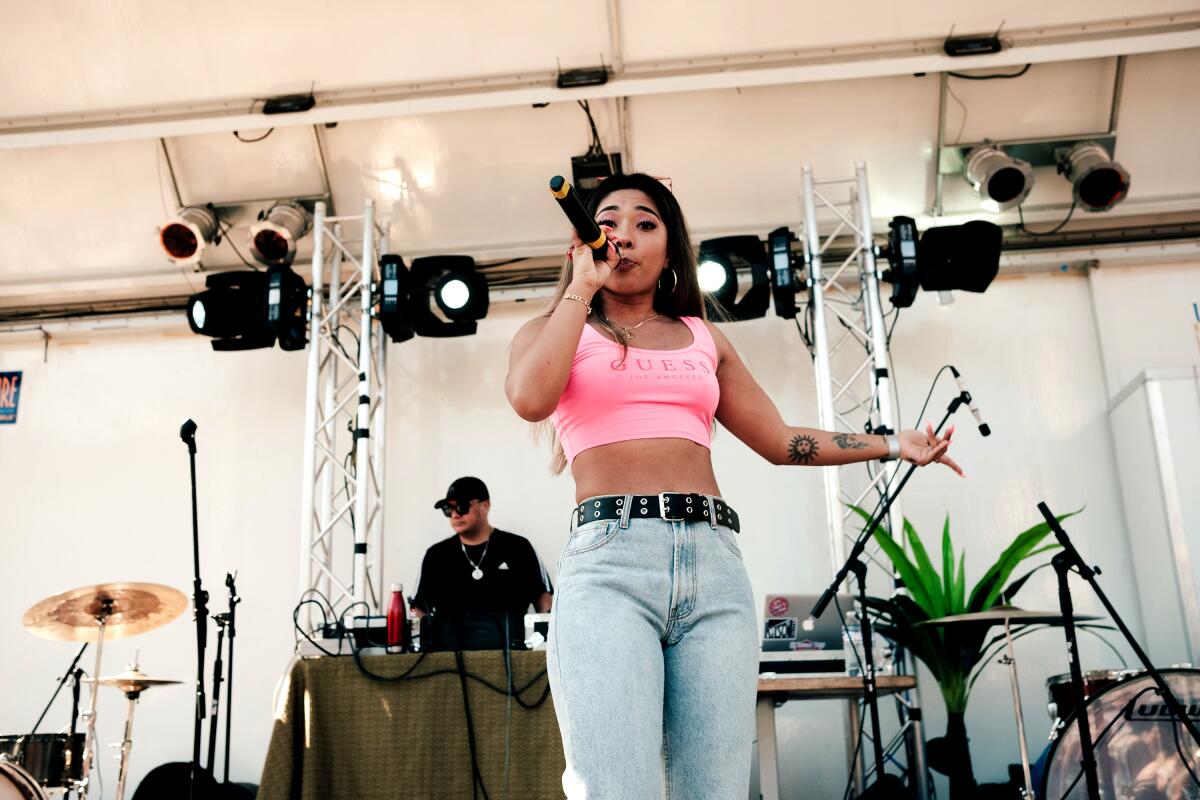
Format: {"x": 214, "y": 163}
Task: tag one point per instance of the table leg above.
{"x": 855, "y": 763}
{"x": 768, "y": 760}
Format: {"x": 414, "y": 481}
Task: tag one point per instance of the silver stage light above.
{"x": 1001, "y": 181}
{"x": 184, "y": 236}
{"x": 1099, "y": 183}
{"x": 273, "y": 238}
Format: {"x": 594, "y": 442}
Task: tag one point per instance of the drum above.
{"x": 1061, "y": 705}
{"x": 17, "y": 784}
{"x": 55, "y": 760}
{"x": 1140, "y": 745}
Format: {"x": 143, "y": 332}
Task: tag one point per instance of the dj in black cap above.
{"x": 479, "y": 570}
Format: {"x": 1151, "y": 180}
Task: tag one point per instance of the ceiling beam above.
{"x": 1077, "y": 42}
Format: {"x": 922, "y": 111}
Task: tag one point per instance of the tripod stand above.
{"x": 885, "y": 786}
{"x": 1067, "y": 561}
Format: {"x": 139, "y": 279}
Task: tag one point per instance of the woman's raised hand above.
{"x": 923, "y": 448}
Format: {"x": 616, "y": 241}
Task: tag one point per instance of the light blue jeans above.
{"x": 653, "y": 661}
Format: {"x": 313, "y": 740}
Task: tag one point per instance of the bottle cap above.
{"x": 397, "y": 587}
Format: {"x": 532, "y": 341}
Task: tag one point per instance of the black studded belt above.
{"x": 668, "y": 506}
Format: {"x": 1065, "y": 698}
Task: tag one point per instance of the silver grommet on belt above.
{"x": 644, "y": 511}
{"x": 620, "y": 501}
{"x": 597, "y": 513}
{"x": 643, "y": 501}
{"x": 597, "y": 504}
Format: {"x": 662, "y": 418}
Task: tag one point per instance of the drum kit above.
{"x": 33, "y": 764}
{"x": 1140, "y": 751}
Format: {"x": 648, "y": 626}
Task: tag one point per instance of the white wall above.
{"x": 95, "y": 489}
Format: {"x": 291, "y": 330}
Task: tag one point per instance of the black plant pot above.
{"x": 951, "y": 756}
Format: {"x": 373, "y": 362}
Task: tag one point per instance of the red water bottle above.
{"x": 397, "y": 620}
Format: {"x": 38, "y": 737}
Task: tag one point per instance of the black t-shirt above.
{"x": 513, "y": 576}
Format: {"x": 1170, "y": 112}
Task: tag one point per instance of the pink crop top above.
{"x": 653, "y": 394}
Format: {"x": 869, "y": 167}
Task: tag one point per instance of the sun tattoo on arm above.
{"x": 802, "y": 449}
{"x": 846, "y": 441}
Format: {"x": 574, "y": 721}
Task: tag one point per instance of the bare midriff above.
{"x": 644, "y": 466}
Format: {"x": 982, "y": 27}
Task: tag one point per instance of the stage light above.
{"x": 405, "y": 306}
{"x": 1001, "y": 181}
{"x": 232, "y": 310}
{"x": 461, "y": 292}
{"x": 728, "y": 255}
{"x": 287, "y": 308}
{"x": 952, "y": 257}
{"x": 1099, "y": 183}
{"x": 273, "y": 238}
{"x": 184, "y": 236}
{"x": 712, "y": 276}
{"x": 248, "y": 310}
{"x": 395, "y": 288}
{"x": 784, "y": 282}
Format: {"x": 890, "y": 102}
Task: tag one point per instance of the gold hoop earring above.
{"x": 674, "y": 282}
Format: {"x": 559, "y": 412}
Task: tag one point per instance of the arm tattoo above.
{"x": 802, "y": 449}
{"x": 846, "y": 441}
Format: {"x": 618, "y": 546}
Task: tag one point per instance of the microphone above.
{"x": 187, "y": 431}
{"x": 962, "y": 387}
{"x": 580, "y": 220}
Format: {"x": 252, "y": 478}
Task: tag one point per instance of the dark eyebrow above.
{"x": 640, "y": 208}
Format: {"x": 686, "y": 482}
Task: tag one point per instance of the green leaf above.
{"x": 1011, "y": 590}
{"x": 960, "y": 585}
{"x": 905, "y": 568}
{"x": 925, "y": 570}
{"x": 909, "y": 574}
{"x": 984, "y": 595}
{"x": 948, "y": 567}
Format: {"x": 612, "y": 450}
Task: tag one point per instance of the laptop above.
{"x": 792, "y": 644}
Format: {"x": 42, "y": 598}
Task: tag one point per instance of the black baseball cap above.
{"x": 463, "y": 491}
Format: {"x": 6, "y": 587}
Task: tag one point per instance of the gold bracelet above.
{"x": 580, "y": 299}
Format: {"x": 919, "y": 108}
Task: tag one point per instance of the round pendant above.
{"x": 477, "y": 574}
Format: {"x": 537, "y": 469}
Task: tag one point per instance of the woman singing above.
{"x": 653, "y": 654}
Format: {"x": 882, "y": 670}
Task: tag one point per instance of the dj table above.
{"x": 340, "y": 734}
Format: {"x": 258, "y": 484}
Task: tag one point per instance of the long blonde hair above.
{"x": 681, "y": 298}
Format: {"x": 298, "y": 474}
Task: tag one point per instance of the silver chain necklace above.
{"x": 476, "y": 573}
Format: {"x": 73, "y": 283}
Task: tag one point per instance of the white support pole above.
{"x": 308, "y": 483}
{"x": 825, "y": 413}
{"x": 379, "y": 434}
{"x": 329, "y": 369}
{"x": 873, "y": 311}
{"x": 362, "y": 433}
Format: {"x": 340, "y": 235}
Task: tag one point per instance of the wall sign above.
{"x": 10, "y": 393}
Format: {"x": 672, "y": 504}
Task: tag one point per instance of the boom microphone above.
{"x": 580, "y": 220}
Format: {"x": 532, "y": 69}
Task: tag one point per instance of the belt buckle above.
{"x": 662, "y": 508}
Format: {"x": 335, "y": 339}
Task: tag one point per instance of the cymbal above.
{"x": 132, "y": 608}
{"x": 1015, "y": 616}
{"x": 133, "y": 681}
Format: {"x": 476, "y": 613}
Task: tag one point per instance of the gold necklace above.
{"x": 626, "y": 332}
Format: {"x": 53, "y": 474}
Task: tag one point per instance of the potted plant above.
{"x": 955, "y": 654}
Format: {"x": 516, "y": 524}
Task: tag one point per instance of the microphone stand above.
{"x": 218, "y": 677}
{"x": 200, "y": 603}
{"x": 1066, "y": 561}
{"x": 885, "y": 786}
{"x": 66, "y": 675}
{"x": 231, "y": 624}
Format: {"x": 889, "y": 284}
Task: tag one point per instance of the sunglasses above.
{"x": 457, "y": 508}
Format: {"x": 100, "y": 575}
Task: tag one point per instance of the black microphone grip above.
{"x": 580, "y": 220}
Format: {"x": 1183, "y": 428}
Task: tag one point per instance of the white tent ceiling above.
{"x": 436, "y": 123}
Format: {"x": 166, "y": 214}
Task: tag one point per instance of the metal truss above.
{"x": 855, "y": 392}
{"x": 341, "y": 519}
